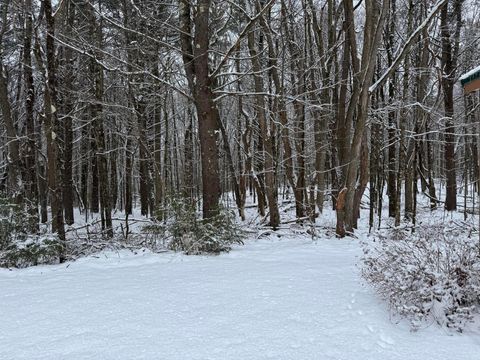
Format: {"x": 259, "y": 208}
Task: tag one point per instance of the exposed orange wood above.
{"x": 472, "y": 86}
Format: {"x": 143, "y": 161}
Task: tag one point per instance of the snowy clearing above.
{"x": 274, "y": 298}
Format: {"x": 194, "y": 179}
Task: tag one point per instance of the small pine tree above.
{"x": 195, "y": 236}
{"x": 18, "y": 247}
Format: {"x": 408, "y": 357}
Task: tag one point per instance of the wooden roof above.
{"x": 471, "y": 80}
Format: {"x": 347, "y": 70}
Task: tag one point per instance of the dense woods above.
{"x": 112, "y": 105}
{"x": 331, "y": 146}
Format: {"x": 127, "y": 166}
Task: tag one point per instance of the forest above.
{"x": 196, "y": 127}
{"x": 112, "y": 105}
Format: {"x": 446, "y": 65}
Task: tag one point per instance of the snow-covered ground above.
{"x": 276, "y": 298}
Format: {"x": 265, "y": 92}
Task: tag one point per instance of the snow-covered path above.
{"x": 271, "y": 299}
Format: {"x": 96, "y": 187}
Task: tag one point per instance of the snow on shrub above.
{"x": 19, "y": 248}
{"x": 432, "y": 274}
{"x": 35, "y": 250}
{"x": 196, "y": 236}
{"x": 12, "y": 222}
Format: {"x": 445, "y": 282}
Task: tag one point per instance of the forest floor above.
{"x": 280, "y": 296}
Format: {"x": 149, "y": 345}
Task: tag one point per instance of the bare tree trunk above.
{"x": 197, "y": 68}
{"x": 392, "y": 121}
{"x": 280, "y": 108}
{"x": 67, "y": 109}
{"x": 52, "y": 128}
{"x": 297, "y": 71}
{"x": 321, "y": 116}
{"x": 30, "y": 152}
{"x": 94, "y": 200}
{"x": 98, "y": 119}
{"x": 243, "y": 175}
{"x": 189, "y": 161}
{"x": 157, "y": 161}
{"x": 271, "y": 187}
{"x": 143, "y": 158}
{"x": 375, "y": 17}
{"x": 410, "y": 155}
{"x": 363, "y": 180}
{"x": 113, "y": 171}
{"x": 401, "y": 172}
{"x": 449, "y": 61}
{"x": 128, "y": 174}
{"x": 14, "y": 164}
{"x": 231, "y": 168}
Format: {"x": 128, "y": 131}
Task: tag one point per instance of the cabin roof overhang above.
{"x": 471, "y": 80}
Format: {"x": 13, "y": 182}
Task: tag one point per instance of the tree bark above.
{"x": 363, "y": 75}
{"x": 265, "y": 137}
{"x": 196, "y": 64}
{"x": 449, "y": 60}
{"x": 52, "y": 127}
{"x": 67, "y": 109}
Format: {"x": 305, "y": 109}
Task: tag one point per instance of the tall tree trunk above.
{"x": 52, "y": 128}
{"x": 449, "y": 61}
{"x": 196, "y": 63}
{"x": 410, "y": 155}
{"x": 128, "y": 173}
{"x": 98, "y": 120}
{"x": 67, "y": 109}
{"x": 14, "y": 184}
{"x": 280, "y": 108}
{"x": 297, "y": 76}
{"x": 30, "y": 152}
{"x": 363, "y": 75}
{"x": 143, "y": 158}
{"x": 266, "y": 136}
{"x": 392, "y": 120}
{"x": 94, "y": 189}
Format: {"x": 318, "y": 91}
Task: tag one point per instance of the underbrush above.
{"x": 18, "y": 246}
{"x": 177, "y": 227}
{"x": 430, "y": 275}
{"x": 185, "y": 231}
{"x": 34, "y": 250}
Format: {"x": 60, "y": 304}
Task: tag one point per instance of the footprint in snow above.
{"x": 371, "y": 328}
{"x": 385, "y": 341}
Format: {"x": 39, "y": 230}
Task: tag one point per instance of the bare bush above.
{"x": 432, "y": 274}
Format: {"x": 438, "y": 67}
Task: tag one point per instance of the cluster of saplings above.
{"x": 177, "y": 228}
